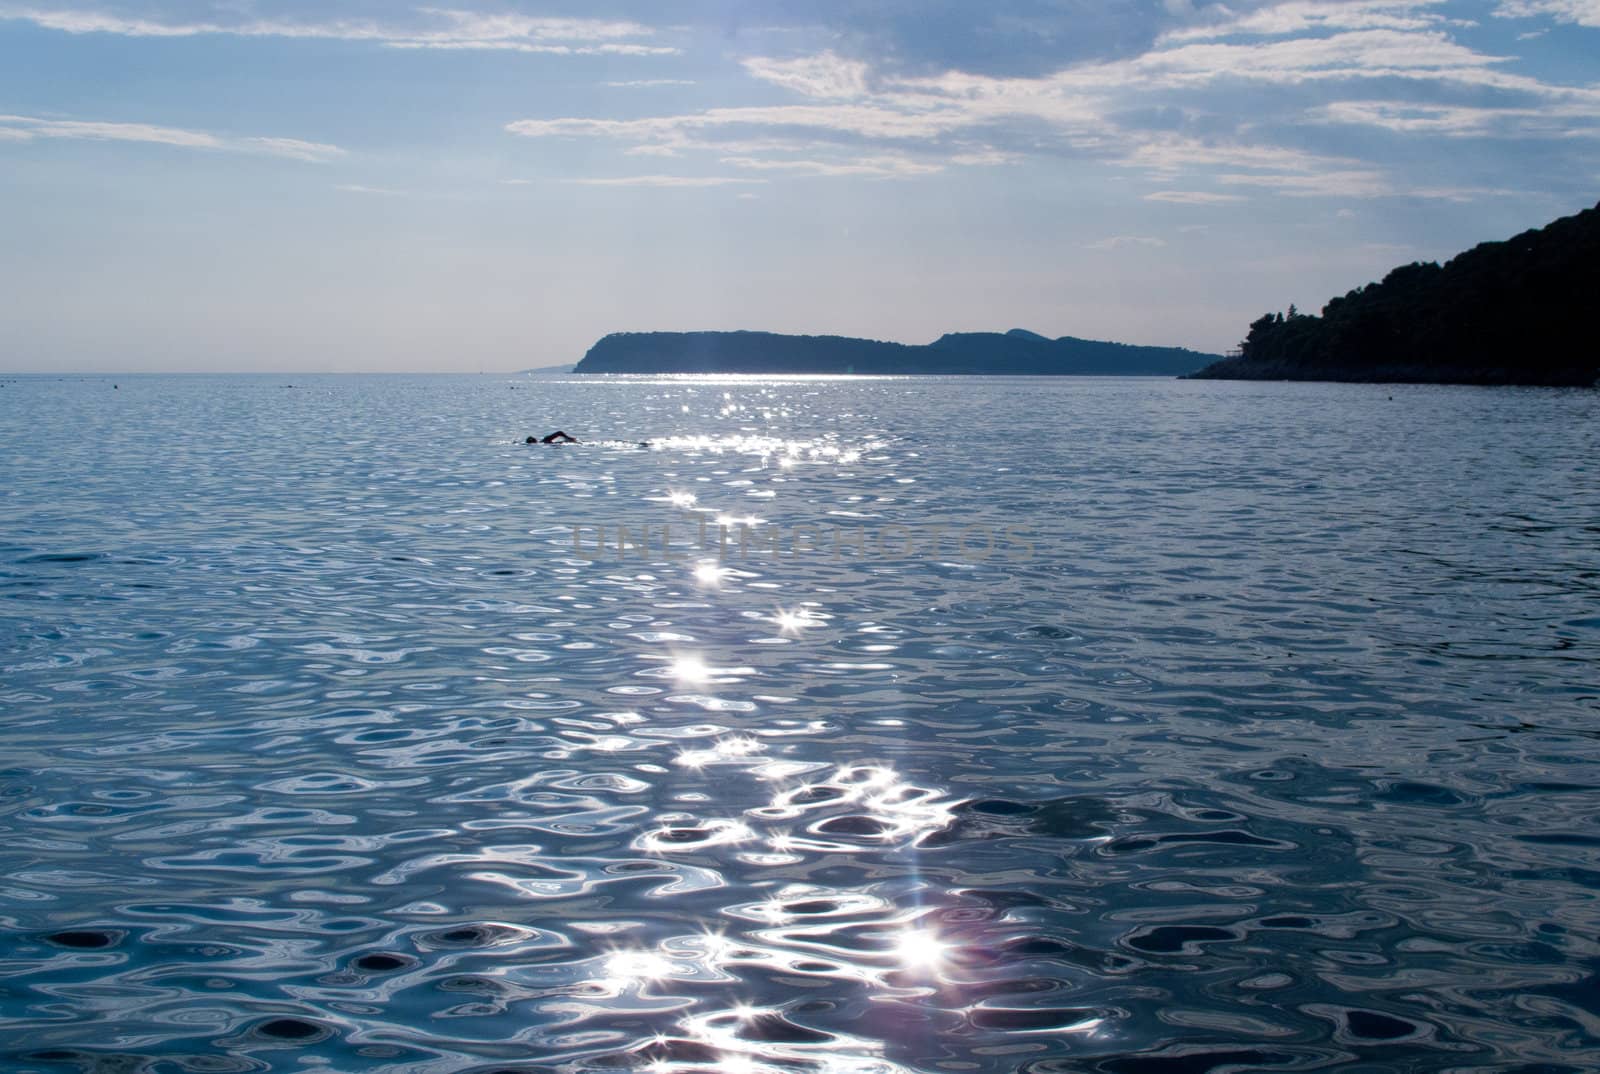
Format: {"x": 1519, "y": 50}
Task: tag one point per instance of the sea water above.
{"x": 867, "y": 725}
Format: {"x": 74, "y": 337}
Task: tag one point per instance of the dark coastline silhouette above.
{"x": 1512, "y": 312}
{"x": 1017, "y": 352}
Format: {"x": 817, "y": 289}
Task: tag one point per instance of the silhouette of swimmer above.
{"x": 558, "y": 438}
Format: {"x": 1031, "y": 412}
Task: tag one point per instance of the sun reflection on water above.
{"x": 878, "y": 940}
{"x": 690, "y": 669}
{"x": 921, "y": 950}
{"x": 708, "y": 573}
{"x": 878, "y": 806}
{"x": 823, "y": 450}
{"x": 728, "y": 749}
{"x": 792, "y": 622}
{"x": 631, "y": 967}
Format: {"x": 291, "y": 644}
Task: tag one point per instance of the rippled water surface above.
{"x": 1074, "y": 725}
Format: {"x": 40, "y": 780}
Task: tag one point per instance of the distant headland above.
{"x": 1017, "y": 352}
{"x": 1513, "y": 312}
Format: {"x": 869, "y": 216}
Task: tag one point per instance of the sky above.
{"x": 467, "y": 186}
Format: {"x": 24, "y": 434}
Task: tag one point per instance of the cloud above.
{"x": 293, "y": 148}
{"x": 23, "y": 128}
{"x": 1192, "y": 197}
{"x": 1462, "y": 193}
{"x": 1557, "y": 120}
{"x": 665, "y": 180}
{"x": 1307, "y": 16}
{"x": 1355, "y": 55}
{"x": 906, "y": 88}
{"x": 872, "y": 121}
{"x": 1116, "y": 242}
{"x": 825, "y": 75}
{"x": 87, "y": 130}
{"x": 1008, "y": 38}
{"x": 1406, "y": 117}
{"x": 985, "y": 157}
{"x": 1172, "y": 109}
{"x": 875, "y": 167}
{"x": 1173, "y": 153}
{"x": 427, "y": 28}
{"x": 1581, "y": 12}
{"x": 356, "y": 188}
{"x": 1352, "y": 183}
{"x": 609, "y": 49}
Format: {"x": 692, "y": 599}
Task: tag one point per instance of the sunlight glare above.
{"x": 727, "y": 749}
{"x": 792, "y": 622}
{"x": 626, "y": 966}
{"x": 920, "y": 949}
{"x": 690, "y": 669}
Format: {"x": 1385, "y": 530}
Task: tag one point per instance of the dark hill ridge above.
{"x": 1513, "y": 312}
{"x": 1012, "y": 353}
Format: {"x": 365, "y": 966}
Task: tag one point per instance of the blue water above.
{"x": 1075, "y": 725}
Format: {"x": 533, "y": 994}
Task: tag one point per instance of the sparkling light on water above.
{"x": 314, "y": 718}
{"x": 921, "y": 950}
{"x": 690, "y": 669}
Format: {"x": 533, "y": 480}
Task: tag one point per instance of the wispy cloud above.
{"x": 875, "y": 167}
{"x": 27, "y": 128}
{"x": 1117, "y": 242}
{"x": 825, "y": 75}
{"x": 1580, "y": 12}
{"x": 294, "y": 148}
{"x": 1173, "y": 153}
{"x": 1352, "y": 183}
{"x": 1463, "y": 193}
{"x": 435, "y": 28}
{"x": 665, "y": 180}
{"x": 985, "y": 156}
{"x": 1170, "y": 108}
{"x": 1557, "y": 120}
{"x": 865, "y": 120}
{"x": 1308, "y": 16}
{"x": 357, "y": 188}
{"x": 847, "y": 117}
{"x": 1192, "y": 197}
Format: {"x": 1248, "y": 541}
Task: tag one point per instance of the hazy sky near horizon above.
{"x": 463, "y": 185}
